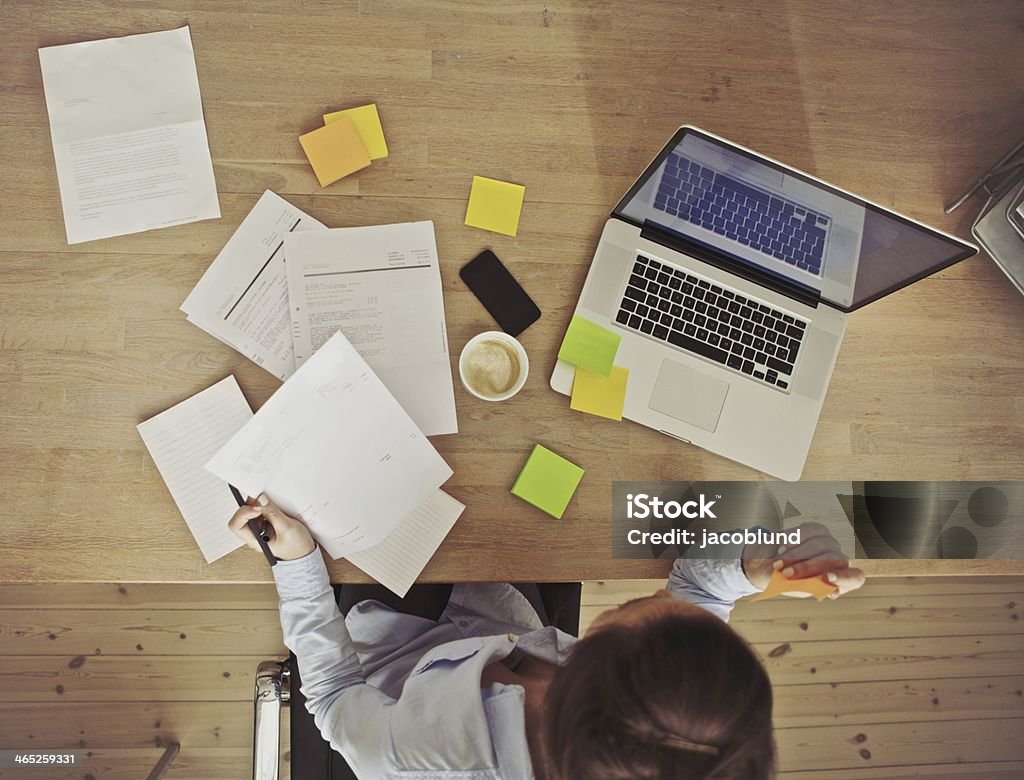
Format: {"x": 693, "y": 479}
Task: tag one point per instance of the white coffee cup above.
{"x": 493, "y": 372}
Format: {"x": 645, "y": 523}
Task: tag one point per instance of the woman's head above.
{"x": 660, "y": 690}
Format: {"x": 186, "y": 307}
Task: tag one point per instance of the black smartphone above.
{"x": 500, "y": 293}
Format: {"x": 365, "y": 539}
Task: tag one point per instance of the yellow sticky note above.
{"x": 367, "y": 122}
{"x": 779, "y": 583}
{"x": 495, "y": 205}
{"x": 334, "y": 151}
{"x": 600, "y": 395}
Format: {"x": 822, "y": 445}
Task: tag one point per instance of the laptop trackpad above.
{"x": 689, "y": 395}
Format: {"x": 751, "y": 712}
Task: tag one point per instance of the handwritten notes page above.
{"x": 397, "y": 561}
{"x": 180, "y": 441}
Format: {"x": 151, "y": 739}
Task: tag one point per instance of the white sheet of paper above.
{"x": 242, "y": 299}
{"x": 180, "y": 440}
{"x": 397, "y": 561}
{"x": 381, "y": 287}
{"x": 334, "y": 448}
{"x": 129, "y": 140}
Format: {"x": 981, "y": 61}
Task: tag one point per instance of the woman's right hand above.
{"x": 289, "y": 538}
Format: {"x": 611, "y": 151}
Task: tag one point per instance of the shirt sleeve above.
{"x": 712, "y": 584}
{"x": 351, "y": 715}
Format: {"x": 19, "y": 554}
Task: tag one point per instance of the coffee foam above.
{"x": 492, "y": 367}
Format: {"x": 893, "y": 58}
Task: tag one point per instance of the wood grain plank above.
{"x": 71, "y": 633}
{"x": 825, "y": 748}
{"x": 990, "y": 770}
{"x": 611, "y": 592}
{"x": 92, "y": 678}
{"x": 897, "y": 701}
{"x": 192, "y": 763}
{"x": 123, "y": 724}
{"x": 911, "y": 616}
{"x": 142, "y": 596}
{"x": 879, "y": 658}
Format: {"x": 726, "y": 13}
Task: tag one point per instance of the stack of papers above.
{"x": 128, "y": 134}
{"x": 334, "y": 448}
{"x": 379, "y": 504}
{"x": 242, "y": 299}
{"x": 380, "y": 286}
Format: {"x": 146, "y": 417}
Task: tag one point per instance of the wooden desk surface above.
{"x": 904, "y": 103}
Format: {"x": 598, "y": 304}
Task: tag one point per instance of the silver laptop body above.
{"x": 729, "y": 277}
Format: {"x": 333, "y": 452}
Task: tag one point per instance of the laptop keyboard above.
{"x": 702, "y": 317}
{"x": 770, "y": 224}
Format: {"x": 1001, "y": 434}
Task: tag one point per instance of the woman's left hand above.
{"x": 817, "y": 554}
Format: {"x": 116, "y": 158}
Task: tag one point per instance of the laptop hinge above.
{"x": 680, "y": 243}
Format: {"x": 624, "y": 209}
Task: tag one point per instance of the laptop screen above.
{"x": 783, "y": 222}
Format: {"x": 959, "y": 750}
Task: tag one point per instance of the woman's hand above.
{"x": 817, "y": 554}
{"x": 289, "y": 538}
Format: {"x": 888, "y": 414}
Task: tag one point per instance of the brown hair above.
{"x": 682, "y": 696}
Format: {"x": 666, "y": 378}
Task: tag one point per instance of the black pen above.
{"x": 271, "y": 559}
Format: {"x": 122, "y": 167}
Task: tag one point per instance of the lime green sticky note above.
{"x": 495, "y": 205}
{"x": 600, "y": 395}
{"x": 367, "y": 122}
{"x": 588, "y": 345}
{"x": 547, "y": 481}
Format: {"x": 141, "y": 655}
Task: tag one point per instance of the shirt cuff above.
{"x": 736, "y": 579}
{"x": 302, "y": 577}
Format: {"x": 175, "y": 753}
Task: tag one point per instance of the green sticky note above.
{"x": 588, "y": 345}
{"x": 547, "y": 481}
{"x": 600, "y": 395}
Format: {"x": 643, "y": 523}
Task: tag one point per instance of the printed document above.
{"x": 334, "y": 448}
{"x": 180, "y": 441}
{"x": 242, "y": 299}
{"x": 381, "y": 287}
{"x": 129, "y": 139}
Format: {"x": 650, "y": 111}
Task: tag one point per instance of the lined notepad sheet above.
{"x": 397, "y": 561}
{"x": 180, "y": 441}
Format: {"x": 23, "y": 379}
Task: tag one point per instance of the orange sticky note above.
{"x": 816, "y": 586}
{"x": 334, "y": 151}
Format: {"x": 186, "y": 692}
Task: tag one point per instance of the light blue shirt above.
{"x": 399, "y": 696}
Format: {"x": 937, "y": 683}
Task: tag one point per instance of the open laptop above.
{"x": 729, "y": 277}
